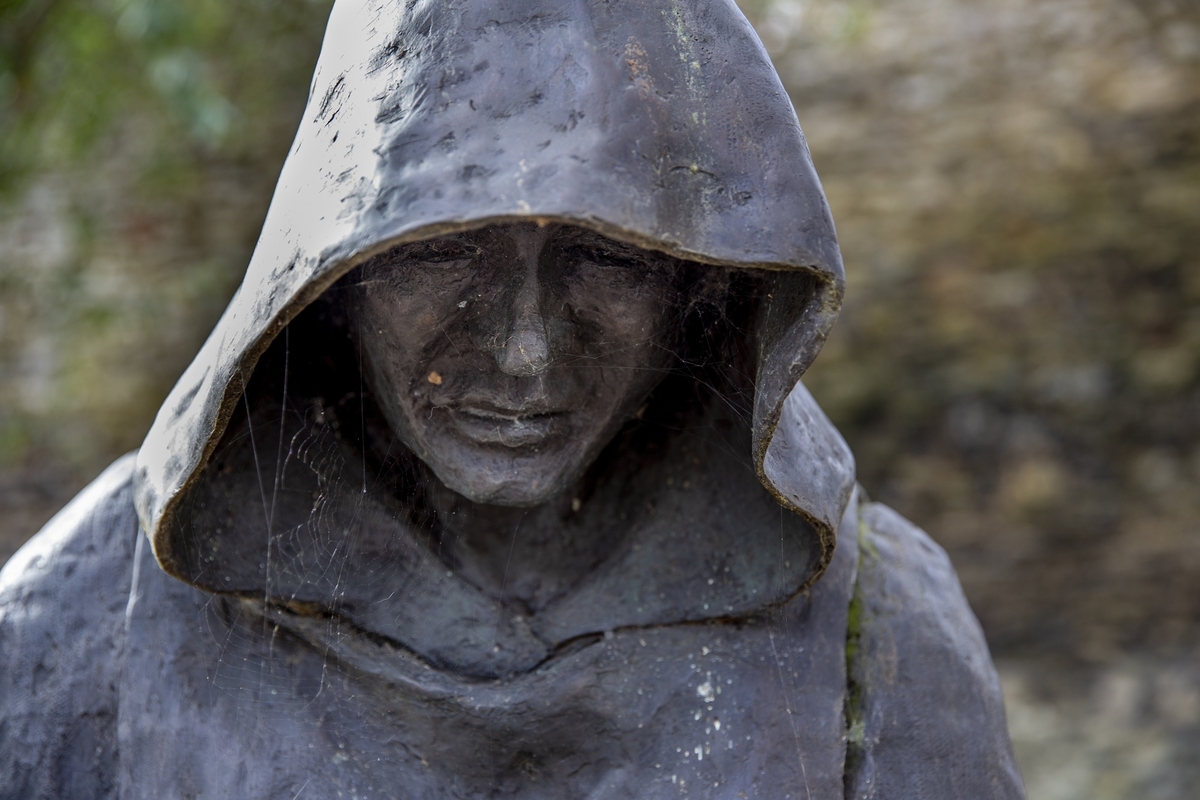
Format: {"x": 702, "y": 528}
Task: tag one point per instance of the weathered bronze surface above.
{"x": 497, "y": 478}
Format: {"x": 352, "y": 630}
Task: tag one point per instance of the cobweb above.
{"x": 312, "y": 499}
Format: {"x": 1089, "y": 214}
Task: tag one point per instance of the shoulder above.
{"x": 926, "y": 712}
{"x": 62, "y": 602}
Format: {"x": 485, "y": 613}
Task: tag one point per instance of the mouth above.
{"x": 506, "y": 427}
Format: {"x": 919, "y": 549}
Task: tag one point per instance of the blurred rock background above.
{"x": 1017, "y": 189}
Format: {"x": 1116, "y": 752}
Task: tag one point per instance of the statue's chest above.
{"x": 233, "y": 705}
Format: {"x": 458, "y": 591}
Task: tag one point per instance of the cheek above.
{"x": 396, "y": 337}
{"x": 400, "y": 316}
{"x": 632, "y": 320}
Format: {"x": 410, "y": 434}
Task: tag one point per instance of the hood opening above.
{"x": 309, "y": 502}
{"x": 660, "y": 124}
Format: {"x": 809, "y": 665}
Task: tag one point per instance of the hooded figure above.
{"x": 496, "y": 478}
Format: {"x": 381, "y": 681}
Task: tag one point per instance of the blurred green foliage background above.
{"x": 1017, "y": 189}
{"x": 139, "y": 144}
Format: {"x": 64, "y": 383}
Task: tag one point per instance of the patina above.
{"x": 497, "y": 479}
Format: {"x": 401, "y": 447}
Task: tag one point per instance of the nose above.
{"x": 526, "y": 350}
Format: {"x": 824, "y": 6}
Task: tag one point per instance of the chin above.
{"x": 503, "y": 479}
{"x": 515, "y": 490}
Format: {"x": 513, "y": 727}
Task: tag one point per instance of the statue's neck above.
{"x": 525, "y": 557}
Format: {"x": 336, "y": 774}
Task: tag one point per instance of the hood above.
{"x": 659, "y": 123}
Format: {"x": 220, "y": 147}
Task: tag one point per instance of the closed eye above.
{"x": 604, "y": 255}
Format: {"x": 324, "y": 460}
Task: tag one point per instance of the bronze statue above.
{"x": 496, "y": 479}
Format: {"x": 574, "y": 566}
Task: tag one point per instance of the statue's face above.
{"x": 506, "y": 358}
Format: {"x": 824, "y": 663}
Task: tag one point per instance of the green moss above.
{"x": 855, "y": 724}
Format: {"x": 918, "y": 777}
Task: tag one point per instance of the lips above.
{"x": 506, "y": 427}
